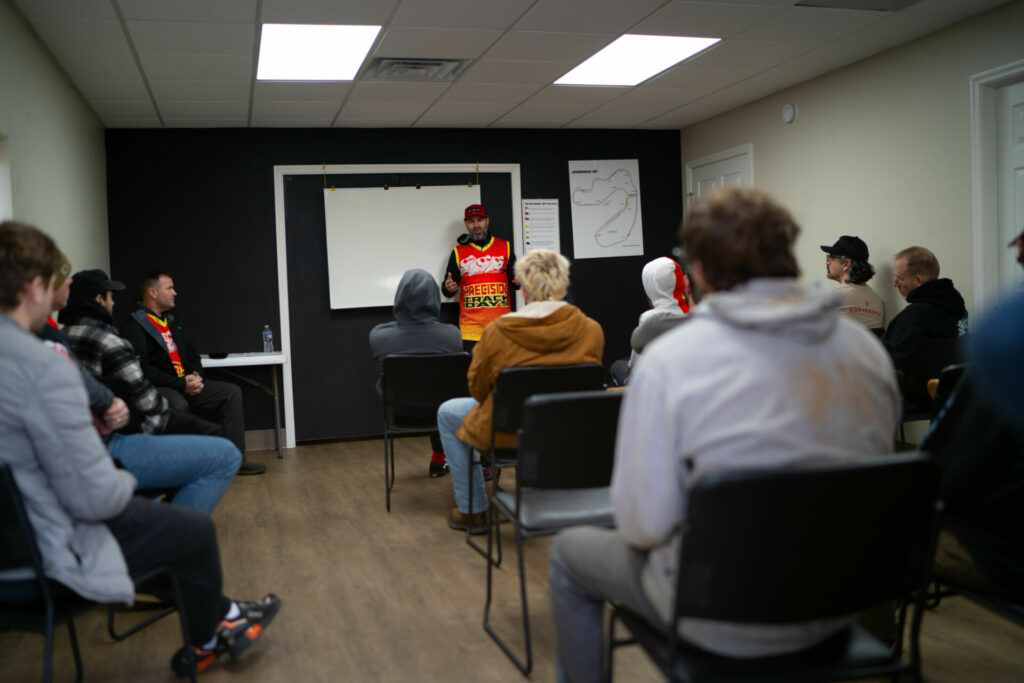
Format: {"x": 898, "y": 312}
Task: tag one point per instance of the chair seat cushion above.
{"x": 553, "y": 509}
{"x": 849, "y": 650}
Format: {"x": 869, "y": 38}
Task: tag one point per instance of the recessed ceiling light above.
{"x": 632, "y": 59}
{"x": 313, "y": 52}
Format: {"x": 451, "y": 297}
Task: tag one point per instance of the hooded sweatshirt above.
{"x": 542, "y": 333}
{"x": 766, "y": 375}
{"x": 665, "y": 286}
{"x": 415, "y": 328}
{"x": 935, "y": 310}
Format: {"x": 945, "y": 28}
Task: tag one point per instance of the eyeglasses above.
{"x": 834, "y": 257}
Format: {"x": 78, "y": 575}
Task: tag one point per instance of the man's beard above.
{"x": 482, "y": 237}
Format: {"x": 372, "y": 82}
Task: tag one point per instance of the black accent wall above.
{"x": 199, "y": 204}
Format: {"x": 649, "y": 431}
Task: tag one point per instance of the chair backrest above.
{"x": 793, "y": 545}
{"x": 517, "y": 384}
{"x": 927, "y": 363}
{"x": 568, "y": 440}
{"x": 17, "y": 542}
{"x": 420, "y": 381}
{"x": 948, "y": 379}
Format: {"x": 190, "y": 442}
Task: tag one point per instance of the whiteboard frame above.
{"x": 280, "y": 172}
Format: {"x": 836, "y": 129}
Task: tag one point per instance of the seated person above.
{"x": 547, "y": 331}
{"x": 91, "y": 532}
{"x": 171, "y": 362}
{"x": 846, "y": 262}
{"x": 668, "y": 289}
{"x": 765, "y": 373}
{"x": 417, "y": 330}
{"x": 935, "y": 309}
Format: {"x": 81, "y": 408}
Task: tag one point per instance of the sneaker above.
{"x": 250, "y": 467}
{"x": 476, "y": 523}
{"x": 204, "y": 658}
{"x": 438, "y": 469}
{"x": 235, "y": 636}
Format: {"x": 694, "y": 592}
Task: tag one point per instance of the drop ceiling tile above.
{"x": 552, "y": 112}
{"x": 475, "y": 110}
{"x": 398, "y": 92}
{"x": 147, "y": 122}
{"x": 115, "y": 109}
{"x": 388, "y": 110}
{"x": 530, "y": 123}
{"x": 189, "y": 10}
{"x": 66, "y": 9}
{"x": 200, "y": 90}
{"x": 384, "y": 120}
{"x": 962, "y": 7}
{"x": 269, "y": 91}
{"x": 118, "y": 66}
{"x": 899, "y": 28}
{"x": 686, "y": 76}
{"x": 599, "y": 124}
{"x": 460, "y": 13}
{"x": 184, "y": 37}
{"x": 118, "y": 90}
{"x": 587, "y": 16}
{"x": 436, "y": 42}
{"x": 297, "y": 109}
{"x": 453, "y": 123}
{"x": 502, "y": 71}
{"x": 733, "y": 52}
{"x": 577, "y": 94}
{"x": 82, "y": 35}
{"x": 487, "y": 92}
{"x": 810, "y": 25}
{"x": 197, "y": 67}
{"x": 326, "y": 12}
{"x": 827, "y": 58}
{"x": 199, "y": 109}
{"x": 649, "y": 95}
{"x": 711, "y": 20}
{"x": 263, "y": 122}
{"x": 210, "y": 122}
{"x": 550, "y": 46}
{"x": 626, "y": 116}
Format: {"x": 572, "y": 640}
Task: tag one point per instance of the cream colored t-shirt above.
{"x": 862, "y": 304}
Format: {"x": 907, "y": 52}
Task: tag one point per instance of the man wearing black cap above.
{"x": 846, "y": 262}
{"x": 481, "y": 270}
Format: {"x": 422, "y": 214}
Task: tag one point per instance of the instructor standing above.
{"x": 481, "y": 270}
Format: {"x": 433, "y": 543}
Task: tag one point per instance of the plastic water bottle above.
{"x": 268, "y": 339}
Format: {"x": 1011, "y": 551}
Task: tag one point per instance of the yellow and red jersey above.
{"x": 484, "y": 291}
{"x": 164, "y": 329}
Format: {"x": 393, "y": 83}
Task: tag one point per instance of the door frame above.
{"x": 984, "y": 177}
{"x": 690, "y": 165}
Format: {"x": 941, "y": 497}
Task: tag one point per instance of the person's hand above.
{"x": 116, "y": 415}
{"x": 193, "y": 384}
{"x": 450, "y": 285}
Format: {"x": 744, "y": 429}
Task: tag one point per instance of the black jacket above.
{"x": 935, "y": 311}
{"x": 152, "y": 351}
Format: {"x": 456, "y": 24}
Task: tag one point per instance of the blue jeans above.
{"x": 458, "y": 454}
{"x": 202, "y": 467}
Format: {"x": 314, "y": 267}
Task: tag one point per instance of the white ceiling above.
{"x": 192, "y": 63}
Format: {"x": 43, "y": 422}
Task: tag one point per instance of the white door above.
{"x": 730, "y": 168}
{"x": 1010, "y": 127}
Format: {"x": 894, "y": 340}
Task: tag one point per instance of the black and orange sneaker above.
{"x": 236, "y": 635}
{"x": 204, "y": 658}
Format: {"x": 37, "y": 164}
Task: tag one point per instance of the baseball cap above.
{"x": 475, "y": 210}
{"x": 87, "y": 284}
{"x": 850, "y": 247}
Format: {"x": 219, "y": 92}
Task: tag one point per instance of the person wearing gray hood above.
{"x": 765, "y": 373}
{"x": 416, "y": 329}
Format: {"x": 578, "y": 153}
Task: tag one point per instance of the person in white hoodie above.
{"x": 765, "y": 373}
{"x": 668, "y": 289}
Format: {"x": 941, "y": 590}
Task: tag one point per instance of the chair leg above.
{"x": 73, "y": 637}
{"x": 524, "y": 666}
{"x": 119, "y": 636}
{"x": 48, "y": 645}
{"x": 389, "y": 478}
{"x": 469, "y": 537}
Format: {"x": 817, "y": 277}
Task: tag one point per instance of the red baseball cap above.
{"x": 475, "y": 210}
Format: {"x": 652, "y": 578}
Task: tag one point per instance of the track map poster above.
{"x": 605, "y": 200}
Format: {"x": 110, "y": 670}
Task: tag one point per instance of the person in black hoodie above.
{"x": 417, "y": 330}
{"x": 935, "y": 308}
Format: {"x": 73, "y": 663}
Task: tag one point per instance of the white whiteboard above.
{"x": 375, "y": 235}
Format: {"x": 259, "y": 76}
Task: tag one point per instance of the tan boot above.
{"x": 477, "y": 523}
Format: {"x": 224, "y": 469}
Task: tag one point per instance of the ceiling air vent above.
{"x": 414, "y": 69}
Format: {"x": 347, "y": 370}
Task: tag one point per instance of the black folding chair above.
{"x": 566, "y": 452}
{"x": 412, "y": 388}
{"x": 40, "y": 604}
{"x": 780, "y": 547}
{"x": 926, "y": 363}
{"x": 513, "y": 387}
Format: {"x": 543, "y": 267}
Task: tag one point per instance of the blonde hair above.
{"x": 544, "y": 274}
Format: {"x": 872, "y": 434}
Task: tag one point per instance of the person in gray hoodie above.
{"x": 417, "y": 330}
{"x": 765, "y": 373}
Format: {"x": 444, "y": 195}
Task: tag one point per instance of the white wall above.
{"x": 55, "y": 147}
{"x": 881, "y": 149}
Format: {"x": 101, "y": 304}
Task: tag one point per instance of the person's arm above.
{"x": 903, "y": 337}
{"x": 69, "y": 450}
{"x": 119, "y": 361}
{"x": 648, "y": 484}
{"x": 187, "y": 350}
{"x": 511, "y": 270}
{"x": 453, "y": 273}
{"x": 139, "y": 340}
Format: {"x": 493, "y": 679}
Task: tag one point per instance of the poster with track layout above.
{"x": 605, "y": 199}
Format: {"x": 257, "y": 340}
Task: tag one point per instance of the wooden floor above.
{"x": 372, "y": 596}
